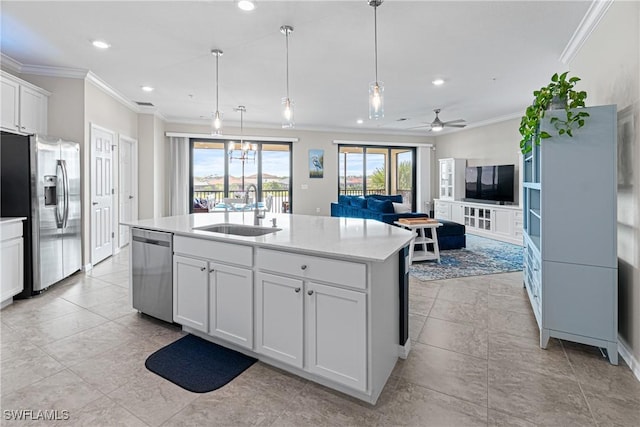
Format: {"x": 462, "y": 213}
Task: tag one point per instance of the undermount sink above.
{"x": 239, "y": 230}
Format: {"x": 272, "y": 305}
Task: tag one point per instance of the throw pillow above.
{"x": 401, "y": 207}
{"x": 359, "y": 202}
{"x": 397, "y": 198}
{"x": 383, "y": 206}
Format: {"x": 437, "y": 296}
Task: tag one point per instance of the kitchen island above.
{"x": 324, "y": 298}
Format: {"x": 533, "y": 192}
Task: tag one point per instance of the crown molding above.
{"x": 103, "y": 86}
{"x": 10, "y": 63}
{"x": 588, "y": 24}
{"x": 41, "y": 70}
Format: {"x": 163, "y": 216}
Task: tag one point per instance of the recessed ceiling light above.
{"x": 101, "y": 44}
{"x": 246, "y": 5}
{"x": 438, "y": 82}
{"x": 146, "y": 88}
{"x": 359, "y": 121}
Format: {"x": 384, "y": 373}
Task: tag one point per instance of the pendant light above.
{"x": 376, "y": 88}
{"x": 246, "y": 151}
{"x": 287, "y": 103}
{"x": 216, "y": 124}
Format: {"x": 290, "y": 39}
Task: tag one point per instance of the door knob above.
{"x": 131, "y": 197}
{"x": 304, "y": 267}
{"x": 297, "y": 290}
{"x": 203, "y": 268}
{"x": 310, "y": 292}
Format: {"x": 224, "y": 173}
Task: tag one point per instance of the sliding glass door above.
{"x": 366, "y": 170}
{"x": 218, "y": 174}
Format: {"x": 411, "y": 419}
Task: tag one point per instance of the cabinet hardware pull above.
{"x": 94, "y": 203}
{"x": 303, "y": 266}
{"x": 212, "y": 270}
{"x": 297, "y": 290}
{"x": 310, "y": 292}
{"x": 203, "y": 268}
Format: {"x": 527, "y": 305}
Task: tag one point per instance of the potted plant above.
{"x": 558, "y": 94}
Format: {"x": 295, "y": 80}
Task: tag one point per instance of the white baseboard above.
{"x": 87, "y": 267}
{"x": 628, "y": 357}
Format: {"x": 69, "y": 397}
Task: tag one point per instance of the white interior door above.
{"x": 128, "y": 203}
{"x": 102, "y": 142}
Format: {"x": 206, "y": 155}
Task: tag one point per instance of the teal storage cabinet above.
{"x": 569, "y": 226}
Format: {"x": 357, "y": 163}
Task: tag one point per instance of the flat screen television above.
{"x": 489, "y": 183}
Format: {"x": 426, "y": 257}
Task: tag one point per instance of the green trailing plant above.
{"x": 559, "y": 91}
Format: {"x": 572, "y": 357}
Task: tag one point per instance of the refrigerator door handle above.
{"x": 59, "y": 215}
{"x": 65, "y": 178}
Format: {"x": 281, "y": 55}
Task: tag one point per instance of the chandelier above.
{"x": 244, "y": 151}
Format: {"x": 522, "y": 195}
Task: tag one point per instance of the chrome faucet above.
{"x": 257, "y": 216}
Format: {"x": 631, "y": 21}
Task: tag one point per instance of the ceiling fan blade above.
{"x": 455, "y": 126}
{"x": 454, "y": 121}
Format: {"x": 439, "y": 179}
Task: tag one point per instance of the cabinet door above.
{"x": 457, "y": 213}
{"x": 190, "y": 292}
{"x": 12, "y": 264}
{"x": 231, "y": 304}
{"x": 31, "y": 110}
{"x": 10, "y": 93}
{"x": 337, "y": 334}
{"x": 279, "y": 323}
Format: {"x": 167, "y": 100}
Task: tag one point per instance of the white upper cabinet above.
{"x": 451, "y": 179}
{"x": 24, "y": 106}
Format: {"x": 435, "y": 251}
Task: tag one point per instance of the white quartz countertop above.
{"x": 346, "y": 238}
{"x": 8, "y": 220}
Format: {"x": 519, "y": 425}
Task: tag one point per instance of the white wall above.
{"x": 320, "y": 192}
{"x": 496, "y": 144}
{"x": 609, "y": 65}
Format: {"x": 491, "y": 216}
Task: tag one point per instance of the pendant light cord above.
{"x": 375, "y": 38}
{"x": 217, "y": 58}
{"x": 287, "y": 45}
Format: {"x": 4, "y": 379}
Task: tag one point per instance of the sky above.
{"x": 211, "y": 162}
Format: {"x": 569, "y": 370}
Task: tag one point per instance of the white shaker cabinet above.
{"x": 336, "y": 333}
{"x": 333, "y": 344}
{"x": 12, "y": 260}
{"x": 190, "y": 292}
{"x": 24, "y": 106}
{"x": 279, "y": 314}
{"x": 210, "y": 295}
{"x": 230, "y": 308}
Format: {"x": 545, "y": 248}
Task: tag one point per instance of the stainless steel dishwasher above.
{"x": 152, "y": 266}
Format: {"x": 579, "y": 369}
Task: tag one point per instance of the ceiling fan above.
{"x": 437, "y": 125}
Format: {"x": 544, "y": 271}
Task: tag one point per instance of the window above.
{"x": 365, "y": 170}
{"x": 216, "y": 175}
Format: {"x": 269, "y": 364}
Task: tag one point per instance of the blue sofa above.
{"x": 380, "y": 207}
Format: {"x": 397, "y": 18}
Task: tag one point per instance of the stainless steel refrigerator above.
{"x": 40, "y": 179}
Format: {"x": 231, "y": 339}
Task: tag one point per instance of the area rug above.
{"x": 481, "y": 256}
{"x": 197, "y": 365}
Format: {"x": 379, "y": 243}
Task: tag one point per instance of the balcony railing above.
{"x": 280, "y": 200}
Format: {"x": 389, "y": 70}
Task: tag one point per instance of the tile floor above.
{"x": 475, "y": 361}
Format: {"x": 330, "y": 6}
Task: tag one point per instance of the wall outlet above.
{"x": 317, "y": 210}
{"x": 304, "y": 186}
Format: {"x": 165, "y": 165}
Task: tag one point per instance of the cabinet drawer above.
{"x": 11, "y": 230}
{"x": 309, "y": 267}
{"x": 211, "y": 249}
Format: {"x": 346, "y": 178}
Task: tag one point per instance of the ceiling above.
{"x": 492, "y": 55}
